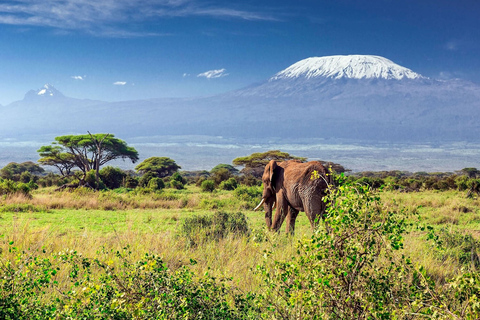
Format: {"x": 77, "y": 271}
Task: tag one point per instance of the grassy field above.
{"x": 151, "y": 222}
{"x": 101, "y": 224}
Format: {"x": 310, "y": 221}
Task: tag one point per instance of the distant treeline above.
{"x": 465, "y": 179}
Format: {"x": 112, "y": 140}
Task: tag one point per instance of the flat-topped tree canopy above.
{"x": 255, "y": 162}
{"x": 85, "y": 152}
{"x": 158, "y": 166}
{"x": 261, "y": 159}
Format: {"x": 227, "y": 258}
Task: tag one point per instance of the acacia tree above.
{"x": 158, "y": 166}
{"x": 256, "y": 162}
{"x": 55, "y": 156}
{"x": 85, "y": 152}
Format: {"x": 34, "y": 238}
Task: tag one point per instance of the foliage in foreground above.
{"x": 32, "y": 288}
{"x": 357, "y": 270}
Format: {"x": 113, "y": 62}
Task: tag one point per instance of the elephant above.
{"x": 290, "y": 186}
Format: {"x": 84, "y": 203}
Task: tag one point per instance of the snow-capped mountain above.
{"x": 350, "y": 97}
{"x": 349, "y": 67}
{"x": 47, "y": 90}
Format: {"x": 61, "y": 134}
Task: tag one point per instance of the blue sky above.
{"x": 124, "y": 49}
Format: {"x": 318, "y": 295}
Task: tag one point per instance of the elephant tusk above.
{"x": 274, "y": 206}
{"x": 261, "y": 202}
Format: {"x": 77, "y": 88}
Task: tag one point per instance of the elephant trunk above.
{"x": 269, "y": 206}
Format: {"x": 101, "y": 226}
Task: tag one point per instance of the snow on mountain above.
{"x": 346, "y": 97}
{"x": 350, "y": 66}
{"x": 47, "y": 90}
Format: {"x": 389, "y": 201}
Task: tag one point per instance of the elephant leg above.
{"x": 291, "y": 217}
{"x": 280, "y": 213}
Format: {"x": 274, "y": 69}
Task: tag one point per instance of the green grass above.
{"x": 99, "y": 224}
{"x": 162, "y": 212}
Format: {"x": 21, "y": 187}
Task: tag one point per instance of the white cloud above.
{"x": 120, "y": 83}
{"x": 79, "y": 77}
{"x": 212, "y": 74}
{"x": 186, "y": 75}
{"x": 112, "y": 18}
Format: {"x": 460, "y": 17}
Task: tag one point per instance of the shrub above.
{"x": 199, "y": 181}
{"x": 112, "y": 177}
{"x": 91, "y": 180}
{"x": 145, "y": 179}
{"x": 93, "y": 289}
{"x": 52, "y": 179}
{"x": 250, "y": 180}
{"x": 462, "y": 183}
{"x": 251, "y": 195}
{"x": 177, "y": 181}
{"x": 156, "y": 184}
{"x": 208, "y": 185}
{"x": 198, "y": 229}
{"x": 11, "y": 187}
{"x": 352, "y": 270}
{"x": 131, "y": 182}
{"x": 178, "y": 177}
{"x": 176, "y": 184}
{"x": 229, "y": 184}
{"x": 220, "y": 175}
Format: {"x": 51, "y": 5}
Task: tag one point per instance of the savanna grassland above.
{"x": 191, "y": 254}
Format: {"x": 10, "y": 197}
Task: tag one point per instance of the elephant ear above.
{"x": 272, "y": 166}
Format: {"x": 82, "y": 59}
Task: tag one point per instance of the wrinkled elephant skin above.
{"x": 290, "y": 186}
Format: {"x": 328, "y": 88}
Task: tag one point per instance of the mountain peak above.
{"x": 349, "y": 66}
{"x": 47, "y": 90}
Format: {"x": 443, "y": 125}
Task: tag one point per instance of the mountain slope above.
{"x": 352, "y": 97}
{"x": 350, "y": 67}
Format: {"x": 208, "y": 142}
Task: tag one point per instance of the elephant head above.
{"x": 272, "y": 183}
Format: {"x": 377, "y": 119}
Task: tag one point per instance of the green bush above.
{"x": 250, "y": 180}
{"x": 131, "y": 182}
{"x": 93, "y": 289}
{"x": 351, "y": 271}
{"x": 230, "y": 184}
{"x": 156, "y": 184}
{"x": 177, "y": 181}
{"x": 91, "y": 180}
{"x": 175, "y": 184}
{"x": 217, "y": 226}
{"x": 251, "y": 195}
{"x": 208, "y": 185}
{"x": 12, "y": 187}
{"x": 145, "y": 179}
{"x": 52, "y": 179}
{"x": 220, "y": 175}
{"x": 112, "y": 177}
{"x": 178, "y": 177}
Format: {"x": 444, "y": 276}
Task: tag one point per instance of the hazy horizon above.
{"x": 203, "y": 153}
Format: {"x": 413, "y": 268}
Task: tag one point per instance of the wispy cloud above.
{"x": 79, "y": 77}
{"x": 212, "y": 74}
{"x": 112, "y": 18}
{"x": 120, "y": 83}
{"x": 452, "y": 45}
